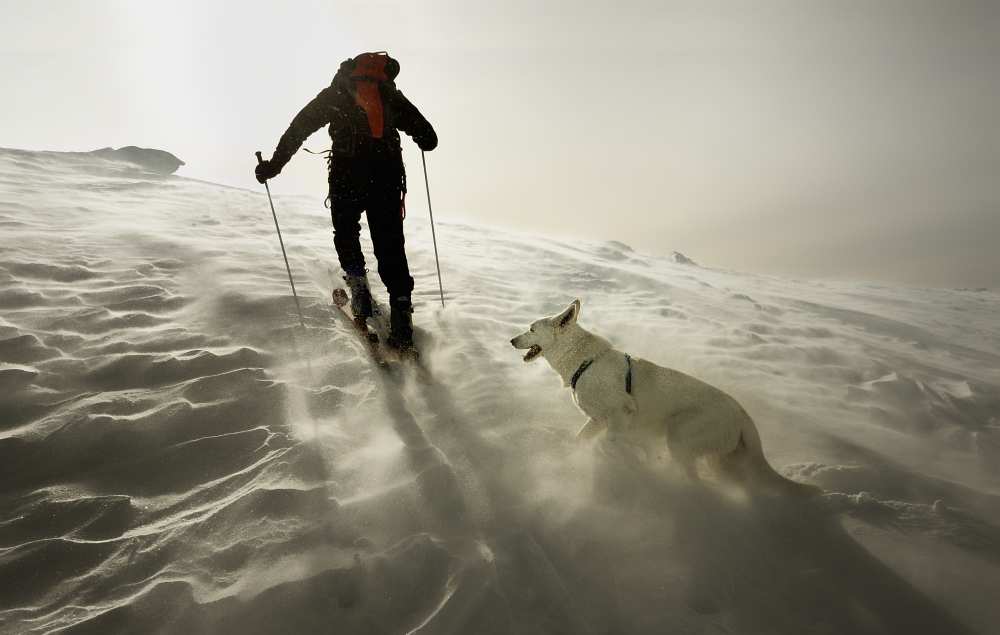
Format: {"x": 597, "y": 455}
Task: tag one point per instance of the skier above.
{"x": 364, "y": 109}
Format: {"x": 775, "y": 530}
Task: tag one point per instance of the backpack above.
{"x": 365, "y": 75}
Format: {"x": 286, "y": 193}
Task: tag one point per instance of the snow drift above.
{"x": 178, "y": 456}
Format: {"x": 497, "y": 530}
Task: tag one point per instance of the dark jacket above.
{"x": 358, "y": 161}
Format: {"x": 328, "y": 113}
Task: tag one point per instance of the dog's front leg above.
{"x": 591, "y": 429}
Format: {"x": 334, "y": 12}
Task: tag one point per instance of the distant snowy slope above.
{"x": 178, "y": 456}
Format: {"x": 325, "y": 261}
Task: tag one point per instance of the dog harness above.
{"x": 579, "y": 371}
{"x": 586, "y": 364}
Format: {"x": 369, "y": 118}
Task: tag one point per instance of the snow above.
{"x": 177, "y": 455}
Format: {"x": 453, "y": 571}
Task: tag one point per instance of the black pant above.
{"x": 386, "y": 227}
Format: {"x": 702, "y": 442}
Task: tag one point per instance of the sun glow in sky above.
{"x": 846, "y": 139}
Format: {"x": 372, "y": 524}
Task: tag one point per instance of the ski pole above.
{"x": 260, "y": 160}
{"x": 430, "y": 209}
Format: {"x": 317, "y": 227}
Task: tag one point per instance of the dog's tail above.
{"x": 748, "y": 458}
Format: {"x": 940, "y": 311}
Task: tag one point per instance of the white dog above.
{"x": 643, "y": 402}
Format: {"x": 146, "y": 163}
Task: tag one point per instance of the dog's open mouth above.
{"x": 533, "y": 352}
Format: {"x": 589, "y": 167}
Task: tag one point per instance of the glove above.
{"x": 426, "y": 142}
{"x": 267, "y": 170}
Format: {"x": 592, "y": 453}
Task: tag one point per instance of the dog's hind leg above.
{"x": 746, "y": 465}
{"x": 731, "y": 466}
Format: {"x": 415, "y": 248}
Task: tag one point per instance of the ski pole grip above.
{"x": 260, "y": 159}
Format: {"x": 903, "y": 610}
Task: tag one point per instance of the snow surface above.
{"x": 178, "y": 456}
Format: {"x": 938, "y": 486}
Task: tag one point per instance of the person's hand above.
{"x": 266, "y": 170}
{"x": 426, "y": 142}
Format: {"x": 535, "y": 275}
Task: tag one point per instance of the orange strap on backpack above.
{"x": 369, "y": 70}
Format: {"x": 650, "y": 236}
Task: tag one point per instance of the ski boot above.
{"x": 401, "y": 325}
{"x": 361, "y": 297}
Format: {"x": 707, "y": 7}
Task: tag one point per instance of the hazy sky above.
{"x": 841, "y": 138}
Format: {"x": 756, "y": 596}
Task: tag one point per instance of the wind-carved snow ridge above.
{"x": 154, "y": 160}
{"x": 178, "y": 456}
{"x": 148, "y": 159}
{"x": 681, "y": 259}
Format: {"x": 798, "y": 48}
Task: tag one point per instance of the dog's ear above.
{"x": 569, "y": 316}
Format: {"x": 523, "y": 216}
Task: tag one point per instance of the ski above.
{"x": 371, "y": 339}
{"x": 410, "y": 357}
{"x": 380, "y": 326}
{"x": 374, "y": 332}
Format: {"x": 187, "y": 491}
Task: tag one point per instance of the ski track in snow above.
{"x": 176, "y": 455}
